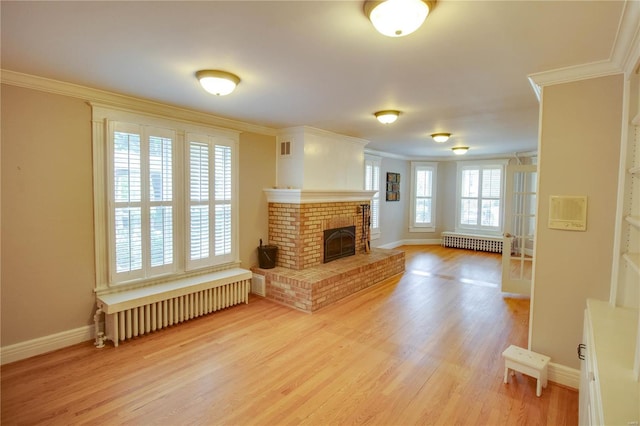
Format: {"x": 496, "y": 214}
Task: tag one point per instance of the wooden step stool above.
{"x": 526, "y": 362}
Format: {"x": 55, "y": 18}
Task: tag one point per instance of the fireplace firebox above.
{"x": 339, "y": 242}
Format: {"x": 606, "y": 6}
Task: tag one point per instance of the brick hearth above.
{"x": 316, "y": 287}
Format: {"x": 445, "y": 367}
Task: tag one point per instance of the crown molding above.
{"x": 314, "y": 131}
{"x": 452, "y": 157}
{"x": 385, "y": 154}
{"x": 92, "y": 95}
{"x": 623, "y": 58}
{"x": 573, "y": 73}
{"x": 626, "y": 48}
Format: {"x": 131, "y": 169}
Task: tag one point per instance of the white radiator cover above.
{"x": 137, "y": 312}
{"x": 472, "y": 242}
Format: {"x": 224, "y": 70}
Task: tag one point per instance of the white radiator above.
{"x": 140, "y": 311}
{"x": 472, "y": 242}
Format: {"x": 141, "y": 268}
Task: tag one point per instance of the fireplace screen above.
{"x": 339, "y": 242}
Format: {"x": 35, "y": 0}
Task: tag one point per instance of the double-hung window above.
{"x": 423, "y": 196}
{"x": 165, "y": 197}
{"x": 480, "y": 196}
{"x": 372, "y": 183}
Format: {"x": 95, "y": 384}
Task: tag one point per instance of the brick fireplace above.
{"x": 297, "y": 221}
{"x": 298, "y": 230}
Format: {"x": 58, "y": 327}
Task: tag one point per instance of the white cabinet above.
{"x": 609, "y": 392}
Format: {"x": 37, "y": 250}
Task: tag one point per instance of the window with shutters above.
{"x": 141, "y": 216}
{"x": 423, "y": 196}
{"x": 372, "y": 183}
{"x": 480, "y": 196}
{"x": 167, "y": 193}
{"x": 209, "y": 201}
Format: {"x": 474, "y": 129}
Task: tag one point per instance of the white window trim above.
{"x": 480, "y": 230}
{"x": 418, "y": 227}
{"x": 102, "y": 114}
{"x": 376, "y": 162}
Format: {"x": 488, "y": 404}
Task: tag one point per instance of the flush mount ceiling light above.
{"x": 397, "y": 18}
{"x": 460, "y": 150}
{"x": 217, "y": 82}
{"x": 388, "y": 116}
{"x": 441, "y": 137}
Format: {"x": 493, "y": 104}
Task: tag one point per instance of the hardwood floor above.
{"x": 421, "y": 348}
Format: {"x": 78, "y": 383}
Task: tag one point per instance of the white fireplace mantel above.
{"x": 306, "y": 196}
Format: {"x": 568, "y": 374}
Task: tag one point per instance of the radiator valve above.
{"x": 99, "y": 343}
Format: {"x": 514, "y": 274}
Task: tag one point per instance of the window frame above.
{"x": 480, "y": 166}
{"x": 417, "y": 166}
{"x": 373, "y": 184}
{"x": 103, "y": 119}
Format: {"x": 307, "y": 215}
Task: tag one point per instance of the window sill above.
{"x": 422, "y": 229}
{"x": 116, "y": 287}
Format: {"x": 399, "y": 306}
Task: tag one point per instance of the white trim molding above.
{"x": 623, "y": 57}
{"x": 563, "y": 375}
{"x": 305, "y": 196}
{"x": 412, "y": 242}
{"x": 302, "y": 131}
{"x": 41, "y": 345}
{"x": 116, "y": 100}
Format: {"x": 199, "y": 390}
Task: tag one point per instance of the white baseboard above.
{"x": 563, "y": 375}
{"x": 412, "y": 242}
{"x": 46, "y": 344}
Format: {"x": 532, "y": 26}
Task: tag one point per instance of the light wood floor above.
{"x": 421, "y": 348}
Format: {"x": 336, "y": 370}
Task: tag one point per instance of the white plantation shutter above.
{"x": 491, "y": 192}
{"x": 423, "y": 178}
{"x": 127, "y": 202}
{"x": 375, "y": 201}
{"x": 372, "y": 183}
{"x": 210, "y": 202}
{"x": 141, "y": 188}
{"x": 222, "y": 185}
{"x": 469, "y": 198}
{"x": 198, "y": 201}
{"x": 423, "y": 196}
{"x": 480, "y": 196}
{"x": 161, "y": 201}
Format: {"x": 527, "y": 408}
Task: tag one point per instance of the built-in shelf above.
{"x": 633, "y": 260}
{"x": 633, "y": 220}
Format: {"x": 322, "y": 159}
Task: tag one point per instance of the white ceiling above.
{"x": 321, "y": 63}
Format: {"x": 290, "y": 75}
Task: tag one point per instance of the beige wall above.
{"x": 257, "y": 171}
{"x": 394, "y": 215}
{"x": 47, "y": 215}
{"x": 47, "y": 265}
{"x": 579, "y": 154}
